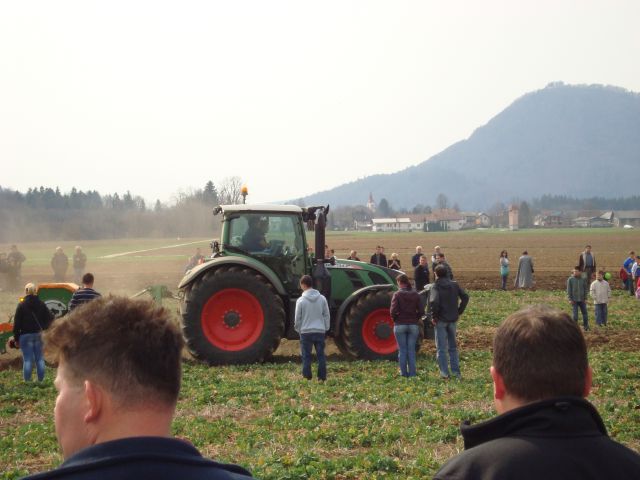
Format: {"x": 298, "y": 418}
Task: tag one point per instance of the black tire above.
{"x": 254, "y": 317}
{"x": 339, "y": 341}
{"x": 360, "y": 340}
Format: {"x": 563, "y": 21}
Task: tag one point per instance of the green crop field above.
{"x": 365, "y": 421}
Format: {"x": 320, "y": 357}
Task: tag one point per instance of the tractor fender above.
{"x": 344, "y": 306}
{"x": 201, "y": 269}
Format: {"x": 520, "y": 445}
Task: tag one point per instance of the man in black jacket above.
{"x": 421, "y": 273}
{"x": 545, "y": 427}
{"x": 379, "y": 258}
{"x": 445, "y": 310}
{"x": 118, "y": 383}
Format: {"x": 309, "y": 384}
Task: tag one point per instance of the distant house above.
{"x": 550, "y": 219}
{"x": 444, "y": 220}
{"x": 627, "y": 217}
{"x": 404, "y": 224}
{"x": 598, "y": 220}
{"x": 483, "y": 220}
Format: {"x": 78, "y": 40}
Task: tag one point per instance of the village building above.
{"x": 627, "y": 217}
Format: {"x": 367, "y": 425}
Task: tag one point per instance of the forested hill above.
{"x": 579, "y": 141}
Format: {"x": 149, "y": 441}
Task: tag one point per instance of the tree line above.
{"x": 45, "y": 213}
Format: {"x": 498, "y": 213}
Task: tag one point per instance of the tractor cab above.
{"x": 272, "y": 235}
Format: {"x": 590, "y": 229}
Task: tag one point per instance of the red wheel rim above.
{"x": 232, "y": 319}
{"x": 372, "y": 324}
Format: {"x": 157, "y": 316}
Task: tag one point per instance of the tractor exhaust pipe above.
{"x": 321, "y": 276}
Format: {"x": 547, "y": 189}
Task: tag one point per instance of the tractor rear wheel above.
{"x": 368, "y": 328}
{"x": 232, "y": 315}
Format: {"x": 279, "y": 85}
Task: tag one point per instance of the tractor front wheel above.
{"x": 232, "y": 316}
{"x": 368, "y": 328}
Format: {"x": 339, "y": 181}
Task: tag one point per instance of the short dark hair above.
{"x": 440, "y": 255}
{"x": 540, "y": 353}
{"x": 440, "y": 271}
{"x": 132, "y": 348}
{"x": 307, "y": 281}
{"x": 87, "y": 278}
{"x": 403, "y": 279}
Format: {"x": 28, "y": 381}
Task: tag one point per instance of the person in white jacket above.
{"x": 312, "y": 321}
{"x": 600, "y": 291}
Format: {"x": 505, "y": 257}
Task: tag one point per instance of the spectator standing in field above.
{"x": 421, "y": 274}
{"x": 524, "y": 277}
{"x": 577, "y": 292}
{"x": 405, "y": 311}
{"x": 635, "y": 273}
{"x": 545, "y": 428}
{"x": 15, "y": 259}
{"x": 587, "y": 263}
{"x": 379, "y": 258}
{"x": 434, "y": 257}
{"x": 415, "y": 260}
{"x": 353, "y": 255}
{"x": 600, "y": 291}
{"x": 394, "y": 262}
{"x": 32, "y": 317}
{"x": 84, "y": 294}
{"x": 312, "y": 321}
{"x": 504, "y": 268}
{"x": 118, "y": 383}
{"x": 59, "y": 264}
{"x": 628, "y": 263}
{"x": 445, "y": 310}
{"x": 79, "y": 264}
{"x": 441, "y": 260}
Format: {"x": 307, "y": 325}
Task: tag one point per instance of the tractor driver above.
{"x": 254, "y": 238}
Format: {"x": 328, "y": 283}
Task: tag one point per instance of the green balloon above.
{"x": 607, "y": 276}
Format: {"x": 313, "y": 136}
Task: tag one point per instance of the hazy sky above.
{"x": 293, "y": 96}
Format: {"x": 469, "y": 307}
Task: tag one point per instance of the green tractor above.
{"x": 238, "y": 305}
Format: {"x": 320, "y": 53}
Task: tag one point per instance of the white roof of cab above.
{"x": 261, "y": 208}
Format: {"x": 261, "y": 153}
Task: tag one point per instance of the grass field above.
{"x": 365, "y": 421}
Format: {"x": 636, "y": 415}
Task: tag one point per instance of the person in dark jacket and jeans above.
{"x": 118, "y": 382}
{"x": 421, "y": 273}
{"x": 312, "y": 321}
{"x": 31, "y": 318}
{"x": 405, "y": 312}
{"x": 545, "y": 428}
{"x": 445, "y": 311}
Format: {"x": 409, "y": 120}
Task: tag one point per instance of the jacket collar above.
{"x": 565, "y": 416}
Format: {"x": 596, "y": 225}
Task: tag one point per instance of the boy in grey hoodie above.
{"x": 312, "y": 322}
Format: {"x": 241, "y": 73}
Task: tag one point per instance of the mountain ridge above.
{"x": 575, "y": 140}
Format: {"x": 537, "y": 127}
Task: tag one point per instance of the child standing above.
{"x": 600, "y": 291}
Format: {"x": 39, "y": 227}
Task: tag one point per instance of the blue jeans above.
{"x": 407, "y": 337}
{"x": 446, "y": 341}
{"x": 583, "y": 309}
{"x": 601, "y": 313}
{"x": 31, "y": 348}
{"x": 504, "y": 281}
{"x": 308, "y": 341}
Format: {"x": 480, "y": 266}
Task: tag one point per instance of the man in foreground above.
{"x": 118, "y": 382}
{"x": 84, "y": 294}
{"x": 312, "y": 320}
{"x": 545, "y": 427}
